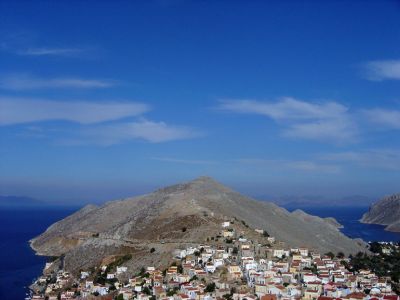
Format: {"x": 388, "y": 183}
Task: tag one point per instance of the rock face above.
{"x": 333, "y": 222}
{"x": 175, "y": 216}
{"x": 386, "y": 211}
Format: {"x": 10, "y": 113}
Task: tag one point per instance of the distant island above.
{"x": 19, "y": 202}
{"x": 295, "y": 201}
{"x": 386, "y": 212}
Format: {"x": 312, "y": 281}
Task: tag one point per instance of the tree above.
{"x": 340, "y": 255}
{"x": 171, "y": 292}
{"x": 142, "y": 271}
{"x": 227, "y": 296}
{"x": 146, "y": 290}
{"x": 152, "y": 250}
{"x": 120, "y": 297}
{"x": 180, "y": 269}
{"x": 375, "y": 247}
{"x": 330, "y": 255}
{"x": 184, "y": 229}
{"x": 210, "y": 288}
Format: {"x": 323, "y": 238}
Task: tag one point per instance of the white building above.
{"x": 226, "y": 224}
{"x": 121, "y": 270}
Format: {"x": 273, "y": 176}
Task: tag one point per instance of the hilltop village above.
{"x": 229, "y": 267}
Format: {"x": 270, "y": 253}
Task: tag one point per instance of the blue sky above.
{"x": 107, "y": 99}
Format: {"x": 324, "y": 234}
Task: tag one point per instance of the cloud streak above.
{"x": 149, "y": 131}
{"x": 380, "y": 70}
{"x": 336, "y": 130}
{"x": 329, "y": 121}
{"x": 185, "y": 161}
{"x": 386, "y": 159}
{"x": 285, "y": 109}
{"x": 26, "y": 43}
{"x": 22, "y": 110}
{"x": 100, "y": 123}
{"x": 385, "y": 117}
{"x": 298, "y": 165}
{"x": 23, "y": 82}
{"x": 46, "y": 51}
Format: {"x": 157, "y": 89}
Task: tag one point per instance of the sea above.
{"x": 19, "y": 265}
{"x": 349, "y": 217}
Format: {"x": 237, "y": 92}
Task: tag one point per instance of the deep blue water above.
{"x": 18, "y": 264}
{"x": 348, "y": 217}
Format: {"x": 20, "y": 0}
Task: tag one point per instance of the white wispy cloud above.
{"x": 46, "y": 51}
{"x": 335, "y": 130}
{"x": 387, "y": 118}
{"x": 299, "y": 165}
{"x": 379, "y": 70}
{"x": 286, "y": 108}
{"x": 386, "y": 159}
{"x": 327, "y": 121}
{"x": 185, "y": 161}
{"x": 150, "y": 131}
{"x": 28, "y": 43}
{"x": 26, "y": 82}
{"x": 22, "y": 110}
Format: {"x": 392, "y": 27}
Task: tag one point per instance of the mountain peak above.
{"x": 202, "y": 184}
{"x": 204, "y": 178}
{"x": 207, "y": 181}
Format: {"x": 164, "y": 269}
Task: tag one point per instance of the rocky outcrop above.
{"x": 333, "y": 222}
{"x": 386, "y": 212}
{"x": 174, "y": 216}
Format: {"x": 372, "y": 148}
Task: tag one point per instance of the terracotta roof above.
{"x": 268, "y": 297}
{"x": 356, "y": 295}
{"x": 390, "y": 297}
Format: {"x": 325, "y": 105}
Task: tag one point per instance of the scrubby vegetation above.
{"x": 385, "y": 261}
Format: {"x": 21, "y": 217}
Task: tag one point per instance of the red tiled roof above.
{"x": 390, "y": 297}
{"x": 268, "y": 297}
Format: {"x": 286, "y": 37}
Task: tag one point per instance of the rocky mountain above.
{"x": 179, "y": 215}
{"x": 386, "y": 211}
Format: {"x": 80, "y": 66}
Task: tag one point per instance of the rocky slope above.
{"x": 173, "y": 216}
{"x": 386, "y": 211}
